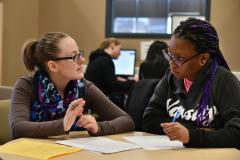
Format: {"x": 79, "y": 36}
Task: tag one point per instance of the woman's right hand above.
{"x": 74, "y": 110}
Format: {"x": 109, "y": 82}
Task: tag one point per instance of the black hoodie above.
{"x": 223, "y": 108}
{"x": 101, "y": 71}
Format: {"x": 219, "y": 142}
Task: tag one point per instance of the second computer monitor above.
{"x": 125, "y": 64}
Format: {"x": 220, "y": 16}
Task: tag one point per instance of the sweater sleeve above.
{"x": 226, "y": 94}
{"x": 114, "y": 119}
{"x": 156, "y": 113}
{"x": 19, "y": 115}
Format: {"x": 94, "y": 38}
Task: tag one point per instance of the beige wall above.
{"x": 81, "y": 20}
{"x": 78, "y": 18}
{"x": 20, "y": 23}
{"x": 225, "y": 16}
{"x": 86, "y": 23}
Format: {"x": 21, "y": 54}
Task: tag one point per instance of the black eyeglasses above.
{"x": 179, "y": 61}
{"x": 76, "y": 57}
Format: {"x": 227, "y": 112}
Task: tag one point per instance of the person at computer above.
{"x": 155, "y": 65}
{"x": 53, "y": 99}
{"x": 101, "y": 71}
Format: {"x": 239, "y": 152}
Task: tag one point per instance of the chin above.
{"x": 81, "y": 76}
{"x": 178, "y": 76}
{"x": 78, "y": 76}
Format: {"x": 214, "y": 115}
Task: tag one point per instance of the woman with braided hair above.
{"x": 198, "y": 100}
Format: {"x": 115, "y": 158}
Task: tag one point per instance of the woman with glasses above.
{"x": 198, "y": 100}
{"x": 53, "y": 99}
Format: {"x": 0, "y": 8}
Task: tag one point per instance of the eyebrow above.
{"x": 177, "y": 55}
{"x": 174, "y": 54}
{"x": 72, "y": 53}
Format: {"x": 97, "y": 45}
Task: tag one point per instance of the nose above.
{"x": 81, "y": 61}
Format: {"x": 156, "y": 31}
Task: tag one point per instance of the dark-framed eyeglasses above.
{"x": 179, "y": 61}
{"x": 75, "y": 57}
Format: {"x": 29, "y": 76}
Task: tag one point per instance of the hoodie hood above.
{"x": 98, "y": 53}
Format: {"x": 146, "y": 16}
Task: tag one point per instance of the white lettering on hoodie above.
{"x": 191, "y": 114}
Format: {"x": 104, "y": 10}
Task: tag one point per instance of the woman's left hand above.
{"x": 176, "y": 131}
{"x": 74, "y": 110}
{"x": 89, "y": 123}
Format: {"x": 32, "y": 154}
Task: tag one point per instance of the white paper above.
{"x": 144, "y": 46}
{"x": 154, "y": 142}
{"x": 99, "y": 144}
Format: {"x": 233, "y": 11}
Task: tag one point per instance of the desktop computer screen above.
{"x": 125, "y": 64}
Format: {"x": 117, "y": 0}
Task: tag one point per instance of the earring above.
{"x": 202, "y": 63}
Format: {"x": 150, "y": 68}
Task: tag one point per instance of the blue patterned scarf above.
{"x": 48, "y": 104}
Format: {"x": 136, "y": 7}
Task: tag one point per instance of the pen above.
{"x": 72, "y": 106}
{"x": 176, "y": 116}
{"x": 89, "y": 111}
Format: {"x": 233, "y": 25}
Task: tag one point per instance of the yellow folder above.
{"x": 36, "y": 149}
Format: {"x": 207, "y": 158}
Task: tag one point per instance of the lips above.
{"x": 79, "y": 69}
{"x": 173, "y": 70}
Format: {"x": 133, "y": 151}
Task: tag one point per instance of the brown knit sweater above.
{"x": 115, "y": 120}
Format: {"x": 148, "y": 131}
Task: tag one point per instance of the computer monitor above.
{"x": 125, "y": 64}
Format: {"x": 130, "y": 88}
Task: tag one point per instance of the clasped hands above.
{"x": 75, "y": 110}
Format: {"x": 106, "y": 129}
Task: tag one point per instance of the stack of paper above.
{"x": 154, "y": 142}
{"x": 36, "y": 149}
{"x": 99, "y": 144}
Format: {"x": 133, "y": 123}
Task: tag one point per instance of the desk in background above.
{"x": 139, "y": 154}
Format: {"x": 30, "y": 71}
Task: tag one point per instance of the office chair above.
{"x": 5, "y": 92}
{"x": 5, "y": 134}
{"x": 138, "y": 100}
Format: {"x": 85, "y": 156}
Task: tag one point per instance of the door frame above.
{"x": 1, "y": 42}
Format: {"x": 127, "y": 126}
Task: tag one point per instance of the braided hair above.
{"x": 204, "y": 38}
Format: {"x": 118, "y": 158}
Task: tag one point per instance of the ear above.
{"x": 111, "y": 46}
{"x": 52, "y": 66}
{"x": 204, "y": 58}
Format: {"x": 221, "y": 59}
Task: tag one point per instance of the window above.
{"x": 151, "y": 18}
